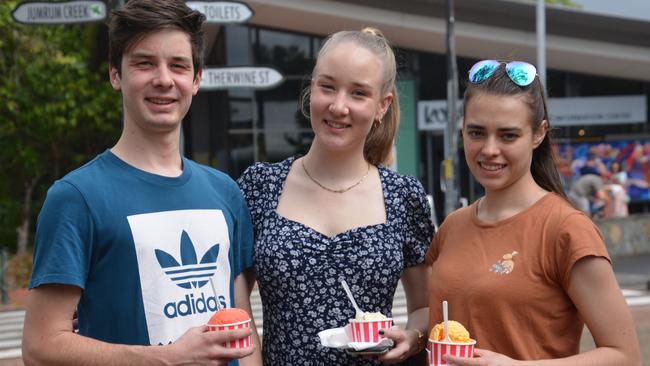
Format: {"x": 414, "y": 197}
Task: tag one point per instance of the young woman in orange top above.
{"x": 521, "y": 268}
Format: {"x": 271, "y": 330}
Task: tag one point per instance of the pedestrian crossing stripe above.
{"x": 636, "y": 297}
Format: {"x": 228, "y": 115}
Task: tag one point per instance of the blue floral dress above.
{"x": 299, "y": 269}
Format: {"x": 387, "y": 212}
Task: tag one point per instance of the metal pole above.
{"x": 541, "y": 41}
{"x": 430, "y": 168}
{"x": 429, "y": 159}
{"x": 253, "y": 38}
{"x": 4, "y": 295}
{"x": 449, "y": 165}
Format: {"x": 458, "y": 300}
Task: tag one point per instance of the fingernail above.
{"x": 381, "y": 332}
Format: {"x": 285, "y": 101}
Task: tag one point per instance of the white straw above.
{"x": 214, "y": 291}
{"x": 445, "y": 315}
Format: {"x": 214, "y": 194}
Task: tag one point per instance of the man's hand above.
{"x": 200, "y": 346}
{"x": 49, "y": 338}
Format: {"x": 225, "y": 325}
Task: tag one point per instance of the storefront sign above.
{"x": 432, "y": 114}
{"x": 60, "y": 13}
{"x": 577, "y": 111}
{"x": 222, "y": 11}
{"x": 240, "y": 77}
{"x": 598, "y": 110}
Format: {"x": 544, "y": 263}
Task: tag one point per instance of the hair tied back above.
{"x": 374, "y": 31}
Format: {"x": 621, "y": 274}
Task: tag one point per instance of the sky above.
{"x": 634, "y": 9}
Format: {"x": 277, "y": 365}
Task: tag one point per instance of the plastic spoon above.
{"x": 354, "y": 303}
{"x": 445, "y": 316}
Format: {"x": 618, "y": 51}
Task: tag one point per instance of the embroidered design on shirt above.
{"x": 505, "y": 265}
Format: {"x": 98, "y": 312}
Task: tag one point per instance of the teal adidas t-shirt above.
{"x": 142, "y": 247}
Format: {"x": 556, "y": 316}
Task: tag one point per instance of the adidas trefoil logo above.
{"x": 189, "y": 273}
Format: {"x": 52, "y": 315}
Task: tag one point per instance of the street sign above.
{"x": 240, "y": 77}
{"x": 68, "y": 12}
{"x": 222, "y": 11}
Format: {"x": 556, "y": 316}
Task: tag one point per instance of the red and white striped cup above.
{"x": 436, "y": 349}
{"x": 235, "y": 343}
{"x": 368, "y": 330}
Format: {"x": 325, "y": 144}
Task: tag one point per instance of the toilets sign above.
{"x": 222, "y": 12}
{"x": 69, "y": 12}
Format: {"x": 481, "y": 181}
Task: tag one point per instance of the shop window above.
{"x": 238, "y": 41}
{"x": 285, "y": 130}
{"x": 288, "y": 52}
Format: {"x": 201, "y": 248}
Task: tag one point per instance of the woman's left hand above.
{"x": 406, "y": 343}
{"x": 482, "y": 357}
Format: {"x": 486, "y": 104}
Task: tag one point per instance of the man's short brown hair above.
{"x": 136, "y": 19}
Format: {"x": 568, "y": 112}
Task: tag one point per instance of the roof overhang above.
{"x": 576, "y": 41}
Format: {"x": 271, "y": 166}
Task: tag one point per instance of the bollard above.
{"x": 4, "y": 259}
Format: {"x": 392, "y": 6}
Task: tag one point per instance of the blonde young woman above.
{"x": 338, "y": 213}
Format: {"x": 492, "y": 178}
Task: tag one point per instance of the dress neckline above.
{"x": 286, "y": 167}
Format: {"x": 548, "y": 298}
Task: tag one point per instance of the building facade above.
{"x": 598, "y": 77}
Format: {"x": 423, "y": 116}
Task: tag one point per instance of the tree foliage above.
{"x": 57, "y": 110}
{"x": 565, "y": 3}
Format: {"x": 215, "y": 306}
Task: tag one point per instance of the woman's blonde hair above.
{"x": 378, "y": 148}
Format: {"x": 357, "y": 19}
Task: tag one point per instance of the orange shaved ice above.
{"x": 457, "y": 332}
{"x": 229, "y": 316}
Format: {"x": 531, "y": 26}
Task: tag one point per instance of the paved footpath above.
{"x": 11, "y": 331}
{"x": 641, "y": 315}
{"x": 11, "y": 323}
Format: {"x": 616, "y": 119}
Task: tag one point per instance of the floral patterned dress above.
{"x": 299, "y": 269}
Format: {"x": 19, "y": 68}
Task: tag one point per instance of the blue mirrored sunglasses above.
{"x": 521, "y": 73}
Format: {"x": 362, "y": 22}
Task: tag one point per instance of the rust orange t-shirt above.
{"x": 507, "y": 281}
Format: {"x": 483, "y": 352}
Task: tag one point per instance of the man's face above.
{"x": 157, "y": 81}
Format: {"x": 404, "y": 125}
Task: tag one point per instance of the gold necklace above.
{"x": 302, "y": 162}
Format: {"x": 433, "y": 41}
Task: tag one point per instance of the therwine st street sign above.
{"x": 222, "y": 11}
{"x": 68, "y": 12}
{"x": 240, "y": 77}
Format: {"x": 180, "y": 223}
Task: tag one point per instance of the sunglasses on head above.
{"x": 520, "y": 72}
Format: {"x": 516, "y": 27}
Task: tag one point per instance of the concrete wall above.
{"x": 626, "y": 236}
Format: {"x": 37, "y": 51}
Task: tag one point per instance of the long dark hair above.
{"x": 543, "y": 167}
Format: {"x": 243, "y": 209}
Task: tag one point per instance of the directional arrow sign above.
{"x": 222, "y": 11}
{"x": 240, "y": 77}
{"x": 60, "y": 13}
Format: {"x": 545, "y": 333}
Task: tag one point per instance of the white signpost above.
{"x": 226, "y": 12}
{"x": 222, "y": 11}
{"x": 240, "y": 77}
{"x": 68, "y": 12}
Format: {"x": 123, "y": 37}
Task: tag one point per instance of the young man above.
{"x": 132, "y": 239}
